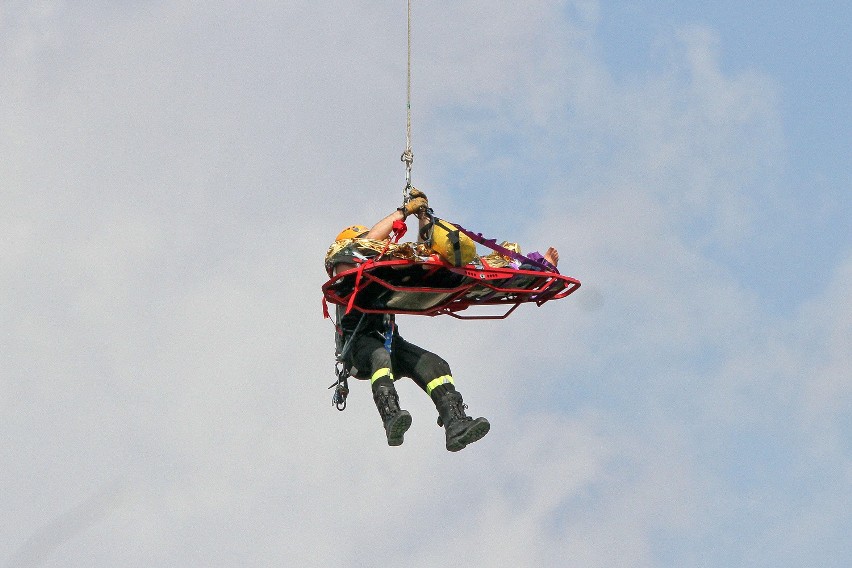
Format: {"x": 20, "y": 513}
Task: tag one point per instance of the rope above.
{"x": 408, "y": 156}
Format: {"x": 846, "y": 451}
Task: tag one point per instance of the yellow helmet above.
{"x": 352, "y": 232}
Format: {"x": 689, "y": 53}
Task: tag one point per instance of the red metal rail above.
{"x": 433, "y": 287}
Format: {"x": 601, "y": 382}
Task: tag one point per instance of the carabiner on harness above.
{"x": 341, "y": 387}
{"x": 341, "y": 369}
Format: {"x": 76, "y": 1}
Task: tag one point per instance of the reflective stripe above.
{"x": 446, "y": 379}
{"x": 383, "y": 372}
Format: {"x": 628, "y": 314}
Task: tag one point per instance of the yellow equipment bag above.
{"x": 452, "y": 245}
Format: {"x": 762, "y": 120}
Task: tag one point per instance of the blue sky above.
{"x": 172, "y": 177}
{"x": 804, "y": 53}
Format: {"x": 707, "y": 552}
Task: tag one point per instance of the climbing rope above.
{"x": 408, "y": 156}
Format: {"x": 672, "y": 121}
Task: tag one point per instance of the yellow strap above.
{"x": 383, "y": 372}
{"x": 446, "y": 379}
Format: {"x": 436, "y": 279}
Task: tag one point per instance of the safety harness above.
{"x": 342, "y": 347}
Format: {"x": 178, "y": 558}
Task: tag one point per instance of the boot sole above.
{"x": 473, "y": 434}
{"x": 398, "y": 427}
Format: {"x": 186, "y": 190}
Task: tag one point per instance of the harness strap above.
{"x": 358, "y": 276}
{"x": 426, "y": 233}
{"x": 492, "y": 244}
{"x": 344, "y": 351}
{"x": 455, "y": 241}
{"x": 341, "y": 385}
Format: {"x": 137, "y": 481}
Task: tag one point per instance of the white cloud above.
{"x": 825, "y": 335}
{"x": 170, "y": 181}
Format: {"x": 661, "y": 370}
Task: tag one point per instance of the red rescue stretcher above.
{"x": 434, "y": 287}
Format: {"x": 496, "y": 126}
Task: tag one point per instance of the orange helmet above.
{"x": 352, "y": 232}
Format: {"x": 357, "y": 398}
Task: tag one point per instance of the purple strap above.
{"x": 535, "y": 258}
{"x": 538, "y": 257}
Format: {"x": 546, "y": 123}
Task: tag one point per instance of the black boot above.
{"x": 396, "y": 421}
{"x": 461, "y": 429}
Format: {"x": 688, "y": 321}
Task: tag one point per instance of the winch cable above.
{"x": 408, "y": 156}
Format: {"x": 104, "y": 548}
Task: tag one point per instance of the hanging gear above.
{"x": 395, "y": 420}
{"x": 341, "y": 387}
{"x": 352, "y": 232}
{"x": 461, "y": 429}
{"x": 342, "y": 345}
